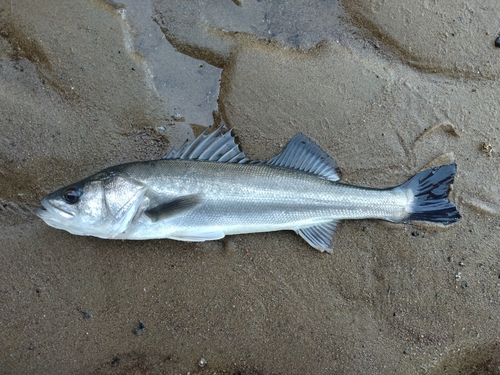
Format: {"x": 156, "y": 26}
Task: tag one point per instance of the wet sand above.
{"x": 385, "y": 88}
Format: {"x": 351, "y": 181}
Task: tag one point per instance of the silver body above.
{"x": 246, "y": 198}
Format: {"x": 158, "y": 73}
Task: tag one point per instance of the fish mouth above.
{"x": 51, "y": 212}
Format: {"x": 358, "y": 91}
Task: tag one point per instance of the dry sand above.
{"x": 385, "y": 87}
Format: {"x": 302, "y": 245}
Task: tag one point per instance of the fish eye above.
{"x": 72, "y": 195}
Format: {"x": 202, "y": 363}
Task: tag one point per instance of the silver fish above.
{"x": 209, "y": 188}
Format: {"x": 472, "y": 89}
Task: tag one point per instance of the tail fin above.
{"x": 430, "y": 189}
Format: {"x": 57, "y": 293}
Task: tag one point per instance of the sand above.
{"x": 386, "y": 88}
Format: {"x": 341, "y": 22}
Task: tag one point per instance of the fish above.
{"x": 209, "y": 188}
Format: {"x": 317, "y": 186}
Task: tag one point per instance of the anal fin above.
{"x": 319, "y": 236}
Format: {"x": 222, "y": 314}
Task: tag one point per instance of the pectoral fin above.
{"x": 174, "y": 207}
{"x": 320, "y": 236}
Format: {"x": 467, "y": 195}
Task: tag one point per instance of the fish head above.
{"x": 103, "y": 205}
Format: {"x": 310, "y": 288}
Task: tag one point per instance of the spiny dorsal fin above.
{"x": 212, "y": 147}
{"x": 303, "y": 154}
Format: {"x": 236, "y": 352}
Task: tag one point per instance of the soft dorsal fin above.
{"x": 212, "y": 147}
{"x": 303, "y": 154}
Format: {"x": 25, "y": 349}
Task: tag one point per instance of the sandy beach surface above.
{"x": 387, "y": 88}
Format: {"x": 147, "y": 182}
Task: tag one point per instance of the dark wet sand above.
{"x": 385, "y": 88}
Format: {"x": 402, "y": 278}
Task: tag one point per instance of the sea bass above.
{"x": 209, "y": 189}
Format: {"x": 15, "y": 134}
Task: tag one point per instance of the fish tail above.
{"x": 430, "y": 195}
